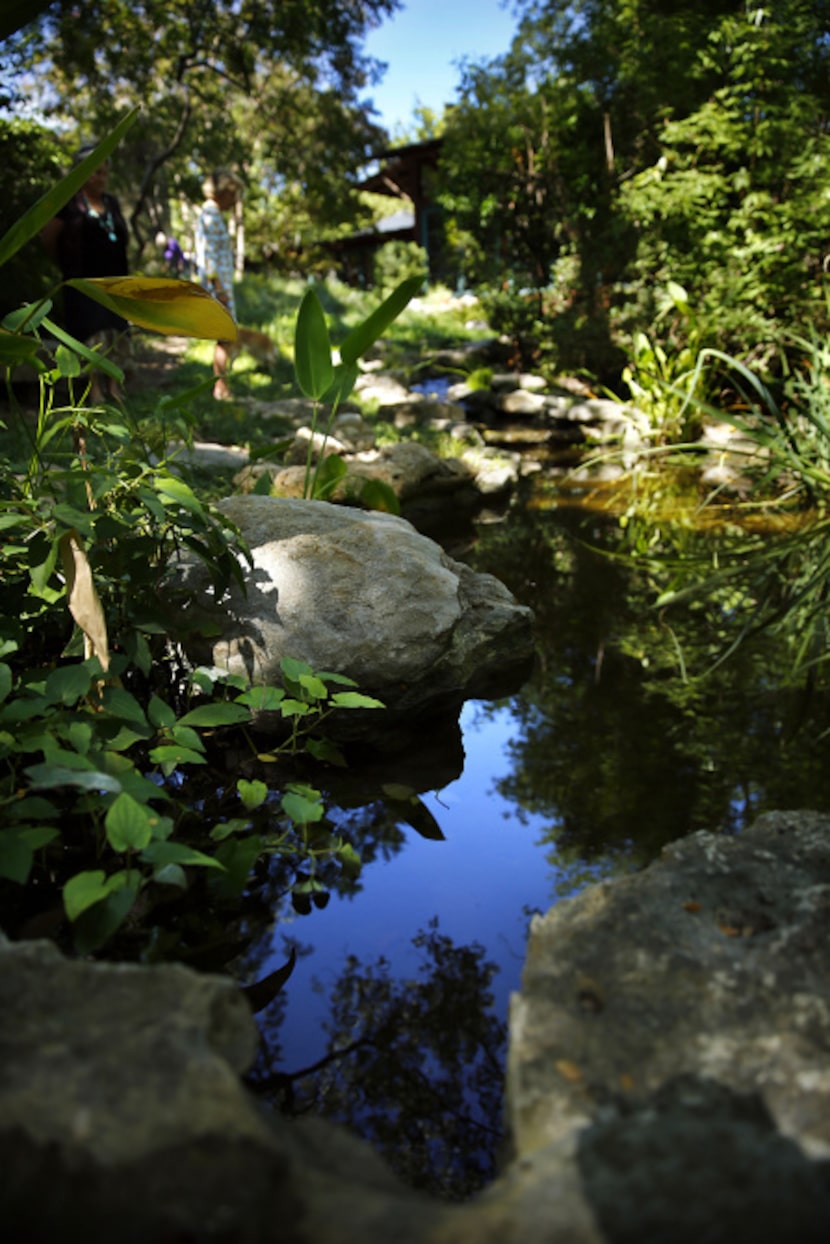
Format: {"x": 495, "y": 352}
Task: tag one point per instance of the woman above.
{"x": 214, "y": 259}
{"x": 88, "y": 238}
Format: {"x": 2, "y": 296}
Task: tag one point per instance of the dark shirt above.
{"x": 91, "y": 245}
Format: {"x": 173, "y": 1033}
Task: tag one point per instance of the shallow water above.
{"x": 602, "y": 758}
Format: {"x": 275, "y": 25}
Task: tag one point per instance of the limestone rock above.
{"x": 362, "y": 594}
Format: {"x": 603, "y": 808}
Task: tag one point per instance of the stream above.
{"x": 394, "y": 1019}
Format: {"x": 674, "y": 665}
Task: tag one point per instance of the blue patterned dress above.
{"x": 214, "y": 254}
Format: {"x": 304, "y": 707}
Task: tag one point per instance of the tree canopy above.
{"x": 651, "y": 141}
{"x": 271, "y": 88}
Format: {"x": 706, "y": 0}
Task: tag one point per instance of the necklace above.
{"x": 104, "y": 219}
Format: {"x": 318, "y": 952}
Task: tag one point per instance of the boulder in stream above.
{"x": 359, "y": 593}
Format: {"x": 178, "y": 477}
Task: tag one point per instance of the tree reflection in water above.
{"x": 414, "y": 1066}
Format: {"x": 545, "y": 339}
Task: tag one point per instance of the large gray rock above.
{"x": 668, "y": 1083}
{"x": 672, "y": 1034}
{"x": 362, "y": 594}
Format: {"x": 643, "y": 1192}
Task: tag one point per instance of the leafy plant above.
{"x": 330, "y": 383}
{"x": 98, "y": 724}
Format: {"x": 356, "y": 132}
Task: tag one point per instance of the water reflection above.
{"x": 393, "y": 1018}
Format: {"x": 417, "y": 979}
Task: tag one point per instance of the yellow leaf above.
{"x": 84, "y": 602}
{"x": 161, "y": 304}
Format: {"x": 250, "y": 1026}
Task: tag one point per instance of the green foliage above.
{"x": 326, "y": 382}
{"x": 98, "y": 724}
{"x": 396, "y": 262}
{"x": 284, "y": 80}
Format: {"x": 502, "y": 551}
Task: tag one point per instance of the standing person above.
{"x": 88, "y": 238}
{"x": 214, "y": 259}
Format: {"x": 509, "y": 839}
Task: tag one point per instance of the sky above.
{"x": 420, "y": 44}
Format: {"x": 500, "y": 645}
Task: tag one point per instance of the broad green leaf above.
{"x": 96, "y": 925}
{"x": 376, "y": 494}
{"x": 49, "y": 776}
{"x": 5, "y": 681}
{"x": 177, "y": 853}
{"x": 262, "y": 699}
{"x": 216, "y": 715}
{"x": 293, "y": 669}
{"x": 27, "y": 317}
{"x": 345, "y": 375}
{"x": 237, "y": 856}
{"x": 67, "y": 362}
{"x": 160, "y": 713}
{"x": 236, "y": 825}
{"x": 315, "y": 687}
{"x": 17, "y": 850}
{"x": 172, "y": 490}
{"x": 123, "y": 705}
{"x": 68, "y": 683}
{"x": 171, "y": 874}
{"x": 252, "y": 794}
{"x": 187, "y": 737}
{"x": 171, "y": 754}
{"x": 128, "y": 824}
{"x": 366, "y": 334}
{"x": 87, "y": 888}
{"x": 50, "y": 203}
{"x": 301, "y": 811}
{"x": 15, "y": 348}
{"x": 354, "y": 699}
{"x": 161, "y": 304}
{"x": 312, "y": 348}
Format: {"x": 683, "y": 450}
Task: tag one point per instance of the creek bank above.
{"x": 668, "y": 1081}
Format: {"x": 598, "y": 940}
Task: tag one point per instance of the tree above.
{"x": 194, "y": 65}
{"x": 736, "y": 207}
{"x": 546, "y": 139}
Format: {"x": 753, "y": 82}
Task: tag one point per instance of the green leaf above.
{"x": 236, "y": 825}
{"x": 68, "y": 683}
{"x": 124, "y": 706}
{"x": 160, "y": 713}
{"x": 300, "y": 810}
{"x": 366, "y": 334}
{"x": 5, "y": 681}
{"x": 176, "y": 492}
{"x": 262, "y": 699}
{"x": 216, "y": 715}
{"x": 376, "y": 494}
{"x": 171, "y": 874}
{"x": 252, "y": 794}
{"x": 177, "y": 853}
{"x": 294, "y": 669}
{"x": 15, "y": 348}
{"x": 314, "y": 686}
{"x": 172, "y": 754}
{"x": 354, "y": 699}
{"x": 345, "y": 375}
{"x": 17, "y": 848}
{"x": 95, "y": 357}
{"x": 312, "y": 348}
{"x": 48, "y": 206}
{"x": 349, "y": 858}
{"x": 66, "y": 361}
{"x": 95, "y": 926}
{"x": 87, "y": 888}
{"x": 48, "y": 776}
{"x": 128, "y": 824}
